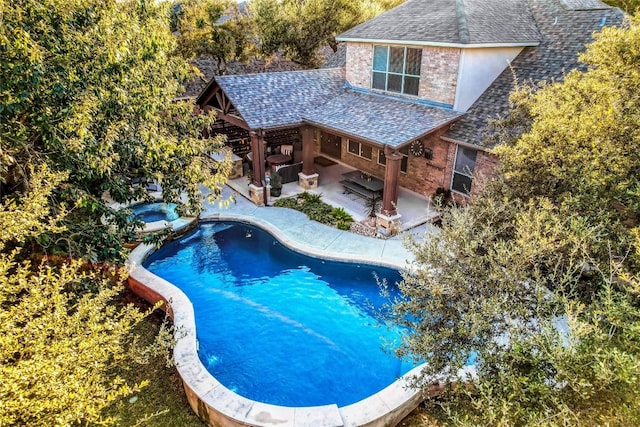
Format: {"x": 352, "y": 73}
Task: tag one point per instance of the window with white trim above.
{"x": 396, "y": 69}
{"x": 404, "y": 163}
{"x": 463, "y": 169}
{"x": 359, "y": 149}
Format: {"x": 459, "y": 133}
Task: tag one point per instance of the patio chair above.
{"x": 286, "y": 149}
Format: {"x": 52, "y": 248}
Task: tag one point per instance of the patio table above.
{"x": 365, "y": 185}
{"x": 367, "y": 181}
{"x": 278, "y": 159}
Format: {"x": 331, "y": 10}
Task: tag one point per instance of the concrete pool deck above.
{"x": 296, "y": 230}
{"x": 216, "y": 404}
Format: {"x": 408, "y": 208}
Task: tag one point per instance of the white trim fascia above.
{"x": 466, "y": 144}
{"x": 460, "y": 68}
{"x": 436, "y": 44}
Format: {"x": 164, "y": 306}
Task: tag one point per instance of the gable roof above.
{"x": 322, "y": 97}
{"x": 464, "y": 23}
{"x": 565, "y": 33}
{"x": 272, "y": 100}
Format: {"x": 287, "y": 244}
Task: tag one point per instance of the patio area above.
{"x": 414, "y": 208}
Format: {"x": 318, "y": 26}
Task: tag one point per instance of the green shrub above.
{"x": 341, "y": 215}
{"x": 287, "y": 202}
{"x": 310, "y": 197}
{"x": 317, "y": 210}
{"x": 344, "y": 225}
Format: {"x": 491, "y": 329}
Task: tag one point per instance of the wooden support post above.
{"x": 308, "y": 151}
{"x": 391, "y": 175}
{"x": 257, "y": 150}
{"x": 308, "y": 178}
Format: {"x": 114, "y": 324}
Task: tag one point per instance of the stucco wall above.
{"x": 479, "y": 67}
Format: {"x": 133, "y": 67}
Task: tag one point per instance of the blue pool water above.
{"x": 151, "y": 212}
{"x": 280, "y": 327}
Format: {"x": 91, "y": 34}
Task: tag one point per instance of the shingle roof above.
{"x": 381, "y": 119}
{"x": 271, "y": 100}
{"x": 565, "y": 34}
{"x": 459, "y": 22}
{"x": 320, "y": 97}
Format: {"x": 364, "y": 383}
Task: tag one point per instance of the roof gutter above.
{"x": 465, "y": 144}
{"x": 437, "y": 44}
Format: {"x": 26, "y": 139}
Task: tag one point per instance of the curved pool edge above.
{"x": 292, "y": 242}
{"x": 218, "y": 406}
{"x": 179, "y": 225}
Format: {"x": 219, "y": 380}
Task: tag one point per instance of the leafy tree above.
{"x": 88, "y": 87}
{"x": 300, "y": 28}
{"x": 501, "y": 287}
{"x": 61, "y": 334}
{"x": 629, "y": 6}
{"x": 537, "y": 282}
{"x": 213, "y": 28}
{"x": 580, "y": 147}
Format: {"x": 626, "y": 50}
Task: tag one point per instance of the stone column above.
{"x": 256, "y": 188}
{"x": 308, "y": 178}
{"x": 388, "y": 220}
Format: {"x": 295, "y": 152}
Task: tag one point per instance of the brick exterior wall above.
{"x": 438, "y": 71}
{"x": 359, "y": 63}
{"x": 484, "y": 169}
{"x": 370, "y": 166}
{"x": 439, "y": 74}
{"x": 486, "y": 164}
{"x": 425, "y": 176}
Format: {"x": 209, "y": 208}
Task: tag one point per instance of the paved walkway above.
{"x": 296, "y": 230}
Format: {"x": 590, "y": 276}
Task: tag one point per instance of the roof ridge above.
{"x": 463, "y": 28}
{"x": 259, "y": 73}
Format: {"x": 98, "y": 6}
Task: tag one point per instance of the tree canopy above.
{"x": 300, "y": 28}
{"x": 62, "y": 336}
{"x": 89, "y": 87}
{"x": 537, "y": 283}
{"x": 213, "y": 28}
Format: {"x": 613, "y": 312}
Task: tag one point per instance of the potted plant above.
{"x": 276, "y": 184}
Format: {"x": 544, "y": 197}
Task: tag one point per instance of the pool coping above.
{"x": 178, "y": 226}
{"x": 216, "y": 404}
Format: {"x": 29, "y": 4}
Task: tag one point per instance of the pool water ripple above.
{"x": 277, "y": 326}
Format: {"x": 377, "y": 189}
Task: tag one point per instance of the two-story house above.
{"x": 411, "y": 105}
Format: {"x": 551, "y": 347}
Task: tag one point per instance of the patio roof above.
{"x": 381, "y": 119}
{"x": 276, "y": 100}
{"x": 324, "y": 99}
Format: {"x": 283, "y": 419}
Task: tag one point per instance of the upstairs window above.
{"x": 396, "y": 69}
{"x": 463, "y": 170}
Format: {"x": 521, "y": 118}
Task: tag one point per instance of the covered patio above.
{"x": 415, "y": 208}
{"x": 367, "y": 132}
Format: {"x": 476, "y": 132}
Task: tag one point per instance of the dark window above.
{"x": 404, "y": 163}
{"x": 359, "y": 149}
{"x": 396, "y": 69}
{"x": 463, "y": 170}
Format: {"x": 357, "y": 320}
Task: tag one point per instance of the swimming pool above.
{"x": 280, "y": 327}
{"x": 157, "y": 211}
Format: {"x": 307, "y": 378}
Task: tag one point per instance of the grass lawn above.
{"x": 163, "y": 401}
